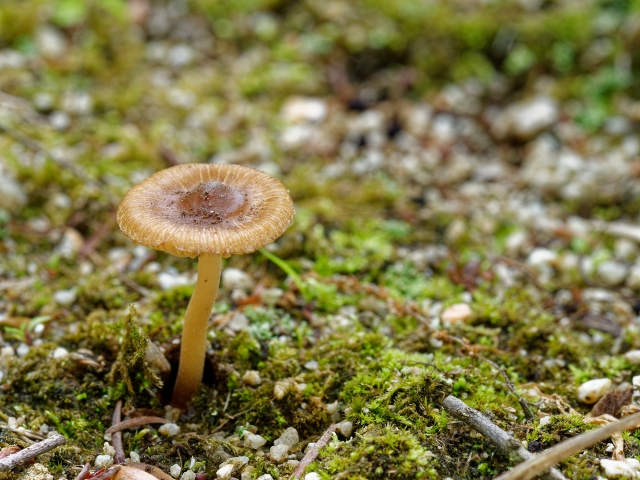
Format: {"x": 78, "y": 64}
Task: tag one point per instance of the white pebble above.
{"x": 224, "y": 473}
{"x": 289, "y": 437}
{"x": 252, "y": 378}
{"x": 169, "y": 429}
{"x": 545, "y": 421}
{"x": 612, "y": 273}
{"x": 188, "y": 475}
{"x": 345, "y": 428}
{"x": 12, "y": 195}
{"x": 266, "y": 476}
{"x": 233, "y": 278}
{"x": 633, "y": 357}
{"x": 312, "y": 476}
{"x": 65, "y": 297}
{"x": 591, "y": 391}
{"x": 253, "y": 441}
{"x": 107, "y": 449}
{"x": 238, "y": 322}
{"x": 332, "y": 407}
{"x": 304, "y": 109}
{"x": 456, "y": 313}
{"x": 103, "y": 461}
{"x": 311, "y": 365}
{"x": 134, "y": 456}
{"x": 168, "y": 281}
{"x": 278, "y": 453}
{"x": 615, "y": 468}
{"x": 175, "y": 470}
{"x": 60, "y": 352}
{"x": 22, "y": 349}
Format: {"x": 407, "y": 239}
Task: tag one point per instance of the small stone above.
{"x": 345, "y": 428}
{"x": 70, "y": 243}
{"x": 230, "y": 466}
{"x": 266, "y": 476}
{"x": 311, "y": 365}
{"x": 252, "y": 378}
{"x": 60, "y": 352}
{"x": 278, "y": 453}
{"x": 304, "y": 109}
{"x": 591, "y": 391}
{"x": 156, "y": 360}
{"x": 175, "y": 470}
{"x": 77, "y": 102}
{"x": 612, "y": 273}
{"x": 134, "y": 456}
{"x": 224, "y": 473}
{"x": 633, "y": 279}
{"x": 459, "y": 312}
{"x": 633, "y": 357}
{"x": 59, "y": 120}
{"x": 50, "y": 41}
{"x": 238, "y": 322}
{"x": 107, "y": 449}
{"x": 332, "y": 407}
{"x": 65, "y": 297}
{"x": 615, "y": 468}
{"x": 541, "y": 257}
{"x": 103, "y": 461}
{"x": 12, "y": 195}
{"x": 233, "y": 278}
{"x": 312, "y": 476}
{"x": 168, "y": 280}
{"x": 254, "y": 441}
{"x": 289, "y": 437}
{"x": 545, "y": 421}
{"x": 188, "y": 475}
{"x": 524, "y": 120}
{"x": 169, "y": 429}
{"x": 22, "y": 350}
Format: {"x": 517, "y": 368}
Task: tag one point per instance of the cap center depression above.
{"x": 209, "y": 203}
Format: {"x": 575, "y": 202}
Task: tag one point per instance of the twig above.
{"x": 313, "y": 452}
{"x": 116, "y": 437}
{"x": 107, "y": 474}
{"x": 135, "y": 422}
{"x": 523, "y": 403}
{"x": 534, "y": 466}
{"x": 507, "y": 445}
{"x": 33, "y": 451}
{"x": 84, "y": 472}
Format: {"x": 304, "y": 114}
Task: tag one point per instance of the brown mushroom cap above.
{"x": 195, "y": 209}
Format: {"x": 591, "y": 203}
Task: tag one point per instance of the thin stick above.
{"x": 33, "y": 451}
{"x": 508, "y": 446}
{"x": 313, "y": 452}
{"x": 135, "y": 422}
{"x": 116, "y": 437}
{"x": 84, "y": 472}
{"x": 523, "y": 403}
{"x": 534, "y": 466}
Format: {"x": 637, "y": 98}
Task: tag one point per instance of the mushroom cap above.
{"x": 218, "y": 209}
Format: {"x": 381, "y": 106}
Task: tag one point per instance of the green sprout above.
{"x": 24, "y": 331}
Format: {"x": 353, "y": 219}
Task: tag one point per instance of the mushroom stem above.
{"x": 194, "y": 338}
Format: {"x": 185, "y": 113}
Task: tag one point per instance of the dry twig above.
{"x": 30, "y": 452}
{"x": 313, "y": 452}
{"x": 116, "y": 437}
{"x": 84, "y": 472}
{"x": 523, "y": 403}
{"x": 135, "y": 422}
{"x": 507, "y": 445}
{"x": 536, "y": 465}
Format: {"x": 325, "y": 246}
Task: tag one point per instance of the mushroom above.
{"x": 210, "y": 212}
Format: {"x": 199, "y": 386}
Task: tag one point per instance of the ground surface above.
{"x": 438, "y": 153}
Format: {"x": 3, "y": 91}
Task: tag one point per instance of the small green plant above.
{"x": 24, "y": 332}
